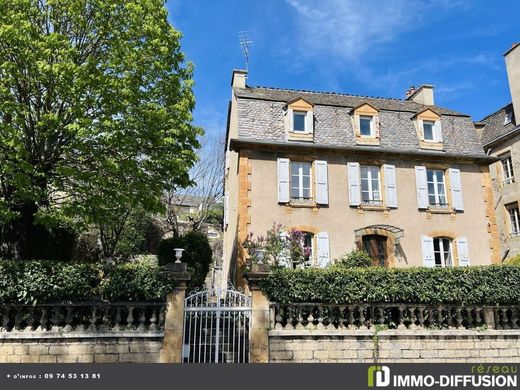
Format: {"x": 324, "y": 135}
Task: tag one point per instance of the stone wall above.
{"x": 394, "y": 346}
{"x": 80, "y": 348}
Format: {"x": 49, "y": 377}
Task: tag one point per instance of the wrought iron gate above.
{"x": 216, "y": 326}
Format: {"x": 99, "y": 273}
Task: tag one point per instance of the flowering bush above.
{"x": 279, "y": 248}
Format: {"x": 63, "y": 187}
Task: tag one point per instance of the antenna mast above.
{"x": 245, "y": 44}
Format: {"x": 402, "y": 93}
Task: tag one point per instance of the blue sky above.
{"x": 373, "y": 48}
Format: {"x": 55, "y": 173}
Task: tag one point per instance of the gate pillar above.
{"x": 171, "y": 351}
{"x": 260, "y": 319}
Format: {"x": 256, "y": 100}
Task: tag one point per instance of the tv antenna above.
{"x": 245, "y": 44}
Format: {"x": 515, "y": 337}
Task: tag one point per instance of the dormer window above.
{"x": 299, "y": 121}
{"x": 508, "y": 118}
{"x": 428, "y": 125}
{"x": 366, "y": 126}
{"x": 365, "y": 121}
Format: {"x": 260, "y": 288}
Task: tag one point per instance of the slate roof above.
{"x": 261, "y": 117}
{"x": 494, "y": 125}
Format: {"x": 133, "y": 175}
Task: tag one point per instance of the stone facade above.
{"x": 395, "y": 346}
{"x": 25, "y": 348}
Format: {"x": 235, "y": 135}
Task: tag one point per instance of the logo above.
{"x": 381, "y": 374}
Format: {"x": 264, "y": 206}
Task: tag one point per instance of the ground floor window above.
{"x": 442, "y": 252}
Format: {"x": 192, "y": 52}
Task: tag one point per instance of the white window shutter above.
{"x": 283, "y": 180}
{"x": 421, "y": 128}
{"x": 291, "y": 119}
{"x": 462, "y": 251}
{"x": 323, "y": 245}
{"x": 456, "y": 189}
{"x": 322, "y": 182}
{"x": 437, "y": 130}
{"x": 354, "y": 183}
{"x": 427, "y": 251}
{"x": 422, "y": 187}
{"x": 390, "y": 185}
{"x": 309, "y": 122}
{"x": 226, "y": 210}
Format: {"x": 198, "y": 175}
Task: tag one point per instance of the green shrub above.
{"x": 47, "y": 281}
{"x": 513, "y": 260}
{"x": 466, "y": 285}
{"x": 135, "y": 282}
{"x": 354, "y": 259}
{"x": 197, "y": 254}
{"x": 42, "y": 281}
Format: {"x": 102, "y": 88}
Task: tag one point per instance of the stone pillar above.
{"x": 260, "y": 321}
{"x": 171, "y": 351}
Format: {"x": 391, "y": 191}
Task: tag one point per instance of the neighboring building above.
{"x": 405, "y": 179}
{"x": 500, "y": 136}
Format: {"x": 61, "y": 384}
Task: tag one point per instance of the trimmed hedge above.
{"x": 483, "y": 285}
{"x": 41, "y": 281}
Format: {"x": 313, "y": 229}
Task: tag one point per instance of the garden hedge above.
{"x": 483, "y": 285}
{"x": 41, "y": 281}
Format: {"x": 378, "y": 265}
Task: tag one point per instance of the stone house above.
{"x": 402, "y": 178}
{"x": 500, "y": 135}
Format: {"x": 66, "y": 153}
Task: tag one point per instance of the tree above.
{"x": 208, "y": 188}
{"x": 95, "y": 114}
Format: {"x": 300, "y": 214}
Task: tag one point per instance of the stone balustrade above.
{"x": 319, "y": 316}
{"x": 83, "y": 317}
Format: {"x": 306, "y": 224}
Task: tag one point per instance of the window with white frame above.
{"x": 507, "y": 168}
{"x": 442, "y": 252}
{"x": 366, "y": 126}
{"x": 431, "y": 130}
{"x": 371, "y": 185}
{"x": 301, "y": 180}
{"x": 436, "y": 188}
{"x": 508, "y": 118}
{"x": 299, "y": 121}
{"x": 514, "y": 218}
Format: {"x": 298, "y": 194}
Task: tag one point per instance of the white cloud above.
{"x": 346, "y": 28}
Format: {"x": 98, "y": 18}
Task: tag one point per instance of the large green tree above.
{"x": 95, "y": 114}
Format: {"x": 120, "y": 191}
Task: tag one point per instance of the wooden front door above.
{"x": 376, "y": 247}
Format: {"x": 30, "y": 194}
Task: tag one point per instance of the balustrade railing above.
{"x": 316, "y": 316}
{"x": 83, "y": 317}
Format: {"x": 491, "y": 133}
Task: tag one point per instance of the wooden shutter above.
{"x": 462, "y": 251}
{"x": 283, "y": 180}
{"x": 390, "y": 185}
{"x": 322, "y": 186}
{"x": 309, "y": 122}
{"x": 437, "y": 130}
{"x": 422, "y": 187}
{"x": 427, "y": 251}
{"x": 354, "y": 183}
{"x": 456, "y": 189}
{"x": 323, "y": 257}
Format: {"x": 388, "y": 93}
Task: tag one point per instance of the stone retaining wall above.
{"x": 394, "y": 346}
{"x": 80, "y": 348}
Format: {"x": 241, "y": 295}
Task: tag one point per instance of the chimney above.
{"x": 513, "y": 74}
{"x": 238, "y": 79}
{"x": 422, "y": 95}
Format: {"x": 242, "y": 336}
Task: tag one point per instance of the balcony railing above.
{"x": 83, "y": 317}
{"x": 316, "y": 316}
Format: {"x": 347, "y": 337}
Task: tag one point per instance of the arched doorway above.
{"x": 376, "y": 247}
{"x": 380, "y": 241}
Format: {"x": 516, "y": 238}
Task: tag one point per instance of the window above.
{"x": 370, "y": 186}
{"x": 300, "y": 180}
{"x": 366, "y": 126}
{"x": 299, "y": 118}
{"x": 428, "y": 130}
{"x": 508, "y": 118}
{"x": 436, "y": 188}
{"x": 442, "y": 252}
{"x": 507, "y": 167}
{"x": 514, "y": 218}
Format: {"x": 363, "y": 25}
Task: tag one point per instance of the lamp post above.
{"x": 178, "y": 254}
